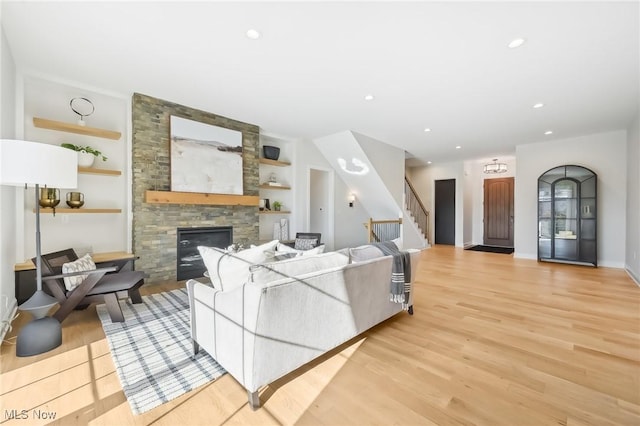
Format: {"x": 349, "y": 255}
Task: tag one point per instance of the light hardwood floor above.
{"x": 494, "y": 341}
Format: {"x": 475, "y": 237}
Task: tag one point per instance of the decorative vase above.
{"x": 271, "y": 152}
{"x": 49, "y": 197}
{"x": 85, "y": 159}
{"x": 75, "y": 200}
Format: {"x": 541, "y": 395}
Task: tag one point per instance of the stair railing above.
{"x": 383, "y": 230}
{"x": 416, "y": 208}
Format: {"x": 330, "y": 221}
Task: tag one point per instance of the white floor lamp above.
{"x": 25, "y": 164}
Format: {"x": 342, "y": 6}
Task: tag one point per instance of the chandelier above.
{"x": 495, "y": 167}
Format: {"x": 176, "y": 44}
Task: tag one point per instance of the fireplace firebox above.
{"x": 190, "y": 264}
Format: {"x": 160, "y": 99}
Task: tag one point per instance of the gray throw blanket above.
{"x": 400, "y": 272}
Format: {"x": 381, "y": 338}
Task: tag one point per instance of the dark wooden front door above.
{"x": 498, "y": 212}
{"x": 445, "y": 209}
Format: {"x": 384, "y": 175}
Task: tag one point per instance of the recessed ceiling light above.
{"x": 538, "y": 105}
{"x": 253, "y": 34}
{"x": 369, "y": 97}
{"x": 548, "y": 132}
{"x": 458, "y": 147}
{"x": 427, "y": 130}
{"x": 428, "y": 162}
{"x": 517, "y": 42}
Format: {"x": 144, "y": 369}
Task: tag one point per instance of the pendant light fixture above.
{"x": 495, "y": 167}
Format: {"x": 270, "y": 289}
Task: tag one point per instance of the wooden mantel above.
{"x": 170, "y": 197}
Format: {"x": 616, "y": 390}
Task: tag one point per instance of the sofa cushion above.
{"x": 316, "y": 250}
{"x": 297, "y": 266}
{"x": 229, "y": 270}
{"x": 85, "y": 263}
{"x": 365, "y": 252}
{"x": 284, "y": 251}
{"x": 305, "y": 243}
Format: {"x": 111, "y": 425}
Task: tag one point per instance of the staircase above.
{"x": 418, "y": 214}
{"x": 374, "y": 171}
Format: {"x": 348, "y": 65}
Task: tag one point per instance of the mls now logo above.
{"x": 24, "y": 415}
{"x": 16, "y": 414}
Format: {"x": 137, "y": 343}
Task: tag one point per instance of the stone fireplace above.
{"x": 155, "y": 225}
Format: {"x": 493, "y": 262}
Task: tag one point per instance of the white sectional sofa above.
{"x": 287, "y": 313}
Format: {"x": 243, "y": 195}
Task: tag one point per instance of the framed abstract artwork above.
{"x": 205, "y": 158}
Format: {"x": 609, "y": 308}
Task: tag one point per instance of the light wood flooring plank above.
{"x": 494, "y": 341}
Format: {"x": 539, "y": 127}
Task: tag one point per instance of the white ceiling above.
{"x": 445, "y": 66}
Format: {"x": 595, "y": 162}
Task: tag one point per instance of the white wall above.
{"x": 49, "y": 99}
{"x": 377, "y": 189}
{"x": 7, "y": 193}
{"x": 467, "y": 202}
{"x": 632, "y": 260}
{"x": 388, "y": 162}
{"x": 603, "y": 153}
{"x": 348, "y": 230}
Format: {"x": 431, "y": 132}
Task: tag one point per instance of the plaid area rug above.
{"x": 152, "y": 350}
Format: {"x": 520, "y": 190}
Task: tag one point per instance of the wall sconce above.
{"x": 352, "y": 199}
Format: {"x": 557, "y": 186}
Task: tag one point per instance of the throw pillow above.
{"x": 229, "y": 270}
{"x": 398, "y": 243}
{"x": 283, "y": 248}
{"x": 283, "y": 252}
{"x": 85, "y": 263}
{"x": 363, "y": 253}
{"x": 283, "y": 256}
{"x": 305, "y": 243}
{"x": 297, "y": 266}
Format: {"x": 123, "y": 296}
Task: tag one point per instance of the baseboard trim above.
{"x": 633, "y": 276}
{"x": 519, "y": 255}
{"x": 6, "y": 322}
{"x": 609, "y": 264}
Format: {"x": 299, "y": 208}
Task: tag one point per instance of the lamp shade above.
{"x": 34, "y": 163}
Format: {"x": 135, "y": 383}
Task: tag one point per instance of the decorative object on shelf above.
{"x": 205, "y": 158}
{"x": 235, "y": 247}
{"x": 86, "y": 154}
{"x": 271, "y": 152}
{"x": 281, "y": 230}
{"x": 85, "y": 159}
{"x": 261, "y": 204}
{"x": 49, "y": 197}
{"x": 495, "y": 167}
{"x": 277, "y": 205}
{"x": 273, "y": 181}
{"x": 352, "y": 199}
{"x": 75, "y": 200}
{"x": 83, "y": 107}
{"x": 267, "y": 205}
{"x": 25, "y": 163}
